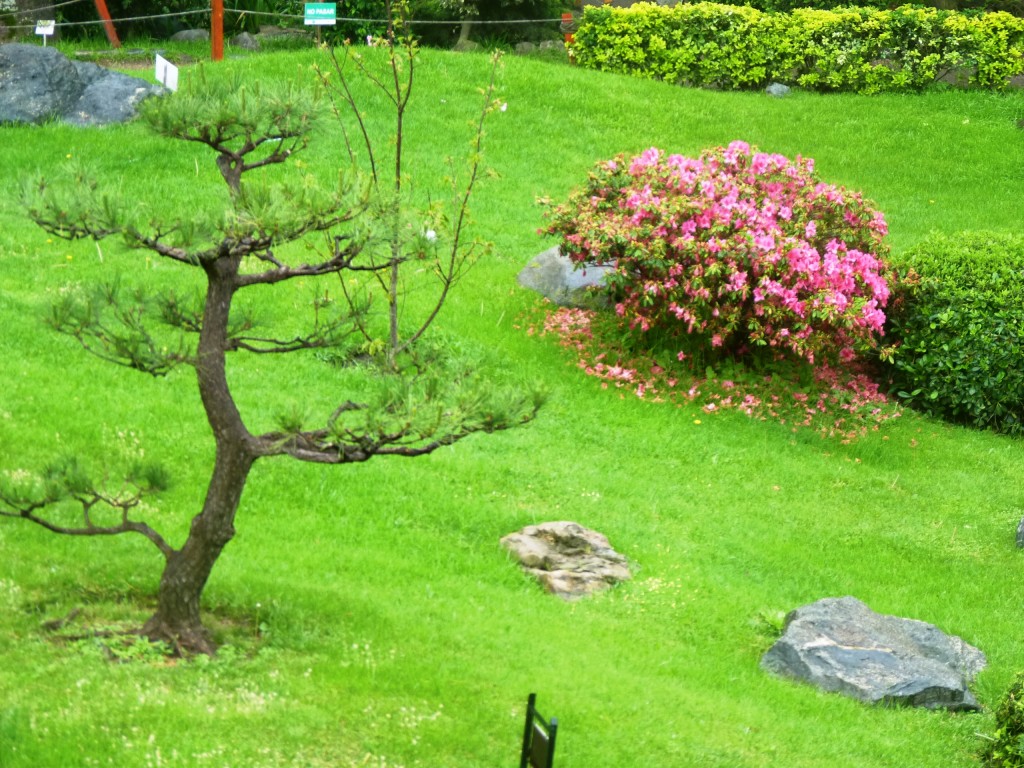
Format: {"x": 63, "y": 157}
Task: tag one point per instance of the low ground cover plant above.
{"x": 957, "y": 330}
{"x": 736, "y": 258}
{"x": 1004, "y": 748}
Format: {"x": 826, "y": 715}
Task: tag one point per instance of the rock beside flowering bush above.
{"x": 731, "y": 253}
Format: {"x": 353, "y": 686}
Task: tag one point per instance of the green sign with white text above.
{"x": 321, "y": 14}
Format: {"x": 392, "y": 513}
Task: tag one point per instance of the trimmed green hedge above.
{"x": 846, "y": 49}
{"x": 956, "y": 326}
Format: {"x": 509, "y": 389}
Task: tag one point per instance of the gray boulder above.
{"x": 556, "y": 277}
{"x": 39, "y": 84}
{"x": 778, "y": 90}
{"x": 841, "y": 645}
{"x": 567, "y": 559}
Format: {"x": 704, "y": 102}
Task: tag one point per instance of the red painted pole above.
{"x": 217, "y": 31}
{"x": 108, "y": 23}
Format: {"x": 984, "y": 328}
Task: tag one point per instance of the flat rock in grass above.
{"x": 246, "y": 41}
{"x": 556, "y": 277}
{"x": 270, "y": 31}
{"x": 567, "y": 559}
{"x": 841, "y": 645}
{"x": 39, "y": 84}
{"x": 191, "y": 36}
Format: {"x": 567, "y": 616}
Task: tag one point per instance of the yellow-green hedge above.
{"x": 850, "y": 49}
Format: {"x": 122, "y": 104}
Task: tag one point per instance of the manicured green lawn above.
{"x": 372, "y": 618}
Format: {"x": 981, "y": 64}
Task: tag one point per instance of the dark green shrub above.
{"x": 957, "y": 330}
{"x": 149, "y": 20}
{"x": 785, "y": 6}
{"x": 1005, "y": 748}
{"x": 1016, "y": 7}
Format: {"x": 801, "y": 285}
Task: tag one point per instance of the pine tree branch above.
{"x": 320, "y": 447}
{"x": 262, "y": 346}
{"x": 343, "y": 259}
{"x": 32, "y": 511}
{"x": 155, "y": 243}
{"x": 339, "y": 445}
{"x": 114, "y": 328}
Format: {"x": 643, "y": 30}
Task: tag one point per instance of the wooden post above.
{"x": 217, "y": 31}
{"x": 108, "y": 23}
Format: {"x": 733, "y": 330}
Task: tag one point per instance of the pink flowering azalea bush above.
{"x": 732, "y": 252}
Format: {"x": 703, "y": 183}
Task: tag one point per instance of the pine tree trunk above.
{"x": 177, "y": 618}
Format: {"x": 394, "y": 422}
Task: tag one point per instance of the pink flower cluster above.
{"x": 734, "y": 250}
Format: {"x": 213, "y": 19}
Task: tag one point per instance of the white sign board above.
{"x": 45, "y": 28}
{"x": 166, "y": 73}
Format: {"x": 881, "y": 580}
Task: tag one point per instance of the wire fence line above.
{"x": 115, "y": 21}
{"x": 241, "y": 12}
{"x": 412, "y": 22}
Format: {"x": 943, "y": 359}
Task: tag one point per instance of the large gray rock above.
{"x": 39, "y": 84}
{"x": 841, "y": 645}
{"x": 36, "y": 84}
{"x": 108, "y": 97}
{"x": 567, "y": 559}
{"x": 556, "y": 277}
